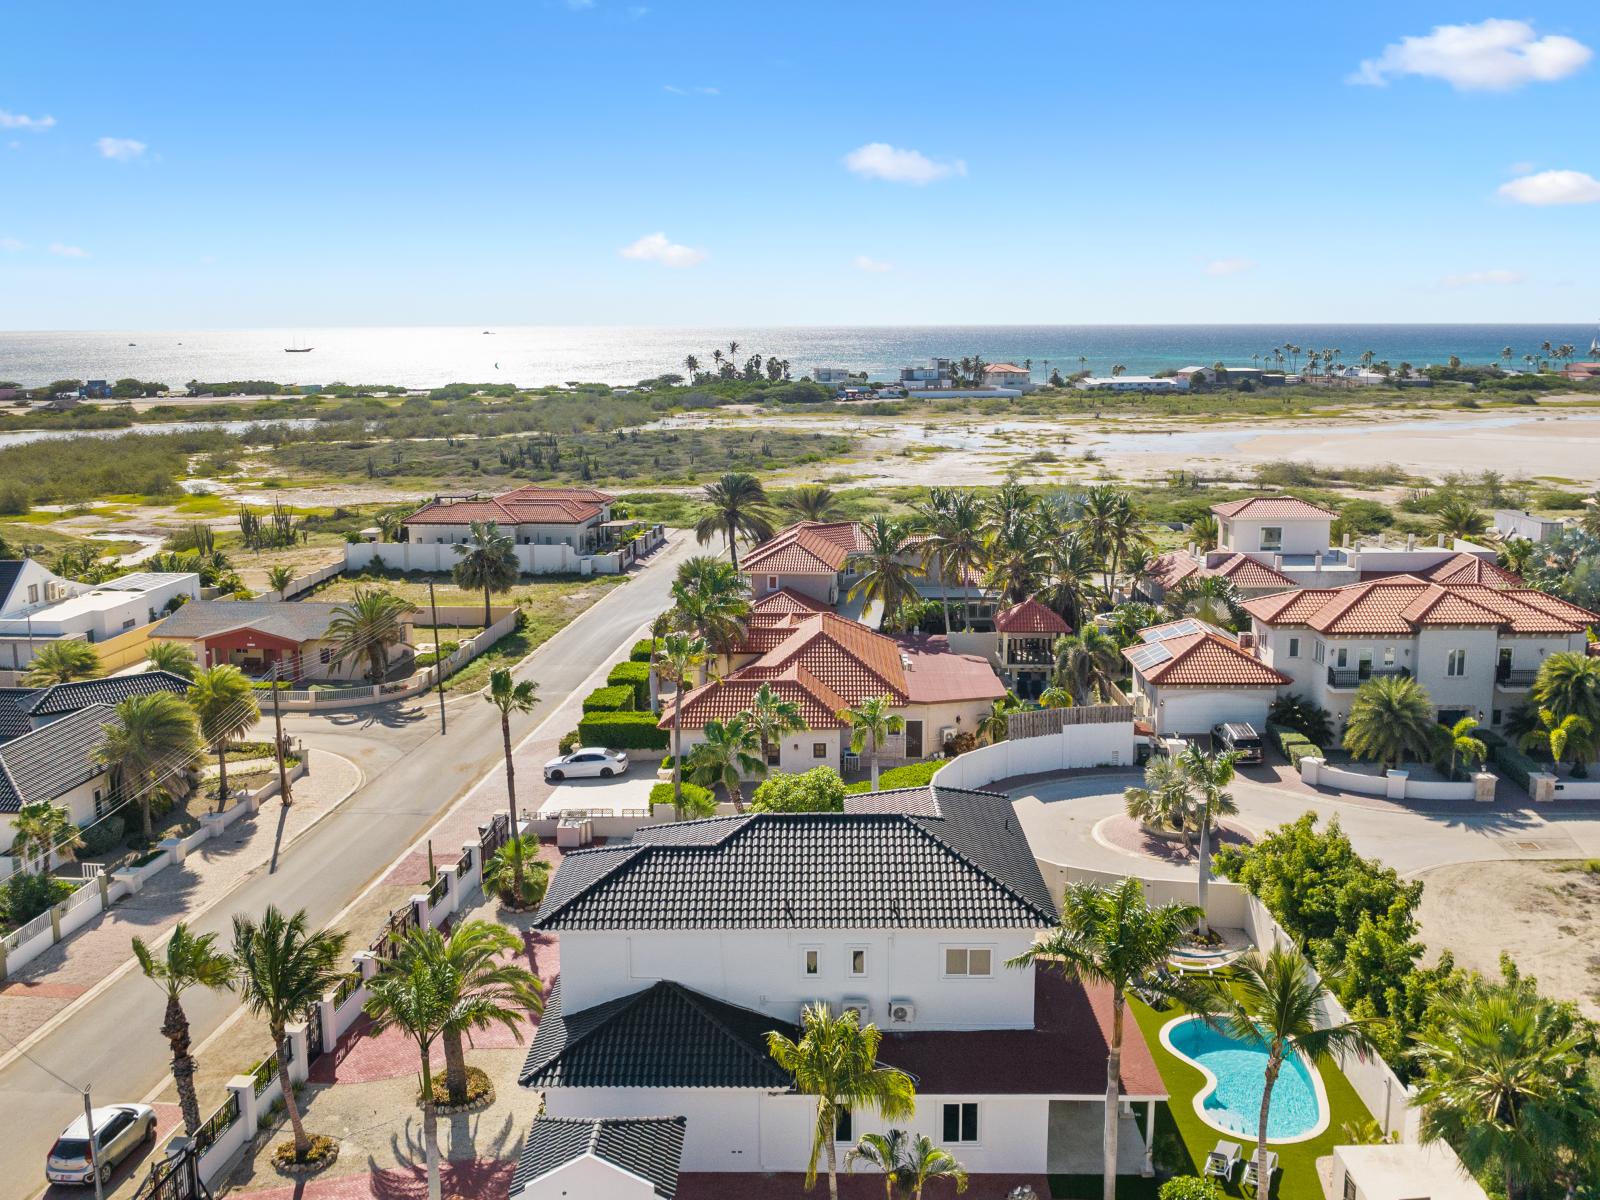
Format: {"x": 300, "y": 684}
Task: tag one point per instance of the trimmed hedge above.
{"x": 622, "y": 731}
{"x": 569, "y": 742}
{"x": 1294, "y": 745}
{"x": 641, "y": 651}
{"x": 1513, "y": 763}
{"x": 609, "y": 699}
{"x": 697, "y": 801}
{"x": 911, "y": 775}
{"x": 635, "y": 675}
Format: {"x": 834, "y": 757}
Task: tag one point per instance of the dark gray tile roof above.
{"x": 52, "y": 760}
{"x": 664, "y": 1036}
{"x": 296, "y": 620}
{"x": 62, "y": 698}
{"x": 649, "y": 1147}
{"x": 10, "y": 569}
{"x": 14, "y": 712}
{"x": 906, "y": 859}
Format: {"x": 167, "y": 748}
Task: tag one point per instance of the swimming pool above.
{"x": 1236, "y": 1074}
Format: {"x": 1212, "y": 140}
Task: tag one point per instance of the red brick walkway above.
{"x": 479, "y": 1179}
{"x": 360, "y": 1057}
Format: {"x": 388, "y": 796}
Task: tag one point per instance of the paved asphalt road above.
{"x": 412, "y": 775}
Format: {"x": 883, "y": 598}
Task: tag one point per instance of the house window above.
{"x": 1388, "y": 656}
{"x": 325, "y": 656}
{"x": 843, "y": 1126}
{"x": 1272, "y": 537}
{"x": 811, "y": 961}
{"x": 1294, "y": 647}
{"x": 819, "y": 749}
{"x": 99, "y": 804}
{"x": 960, "y": 1123}
{"x": 968, "y": 961}
{"x": 772, "y": 583}
{"x": 858, "y": 961}
{"x": 1455, "y": 665}
{"x": 1342, "y": 657}
{"x": 1496, "y": 718}
{"x": 1349, "y": 1186}
{"x": 130, "y": 622}
{"x": 1317, "y": 652}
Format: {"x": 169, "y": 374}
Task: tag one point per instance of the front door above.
{"x": 913, "y": 739}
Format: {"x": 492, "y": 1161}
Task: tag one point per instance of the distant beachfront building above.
{"x": 1132, "y": 383}
{"x": 832, "y": 376}
{"x": 938, "y": 375}
{"x": 1008, "y": 375}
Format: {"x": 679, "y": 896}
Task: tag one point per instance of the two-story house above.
{"x": 682, "y": 949}
{"x": 532, "y": 515}
{"x": 810, "y": 558}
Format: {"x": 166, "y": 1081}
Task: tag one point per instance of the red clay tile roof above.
{"x": 935, "y": 675}
{"x": 847, "y": 535}
{"x": 847, "y": 656}
{"x": 1401, "y": 604}
{"x": 1201, "y": 660}
{"x": 1030, "y": 617}
{"x": 1005, "y": 368}
{"x": 526, "y": 505}
{"x": 787, "y": 600}
{"x": 722, "y": 699}
{"x": 1244, "y": 572}
{"x": 795, "y": 551}
{"x": 1172, "y": 568}
{"x": 1272, "y": 508}
{"x": 1471, "y": 568}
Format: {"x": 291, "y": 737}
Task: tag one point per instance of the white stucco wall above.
{"x": 1075, "y": 746}
{"x": 1183, "y": 710}
{"x": 414, "y": 556}
{"x": 822, "y": 588}
{"x": 587, "y": 1179}
{"x": 1299, "y": 537}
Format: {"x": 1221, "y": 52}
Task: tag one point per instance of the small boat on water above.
{"x": 298, "y": 349}
{"x": 488, "y": 333}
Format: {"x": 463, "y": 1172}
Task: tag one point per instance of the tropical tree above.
{"x": 191, "y": 960}
{"x": 883, "y": 1152}
{"x": 486, "y": 562}
{"x": 1204, "y": 531}
{"x": 691, "y": 366}
{"x": 1457, "y": 742}
{"x": 1391, "y": 719}
{"x": 279, "y": 578}
{"x": 728, "y": 753}
{"x": 813, "y": 502}
{"x": 922, "y": 1162}
{"x": 283, "y": 970}
{"x": 1212, "y": 598}
{"x": 1055, "y": 696}
{"x": 225, "y": 705}
{"x": 1275, "y": 1000}
{"x": 62, "y": 660}
{"x": 836, "y": 1060}
{"x": 172, "y": 657}
{"x": 887, "y": 572}
{"x": 1209, "y": 774}
{"x": 955, "y": 541}
{"x": 508, "y": 696}
{"x": 153, "y": 739}
{"x": 1112, "y": 936}
{"x": 40, "y": 829}
{"x": 1129, "y": 617}
{"x": 677, "y": 659}
{"x": 1568, "y": 684}
{"x": 1517, "y": 555}
{"x": 517, "y": 874}
{"x": 712, "y": 600}
{"x": 366, "y": 626}
{"x": 871, "y": 722}
{"x": 1557, "y": 735}
{"x": 1072, "y": 570}
{"x": 1458, "y": 517}
{"x": 486, "y": 986}
{"x": 738, "y": 508}
{"x": 1018, "y": 560}
{"x": 995, "y": 724}
{"x": 771, "y": 716}
{"x": 1166, "y": 799}
{"x": 1087, "y": 660}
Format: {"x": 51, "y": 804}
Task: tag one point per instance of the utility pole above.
{"x": 438, "y": 661}
{"x": 277, "y": 741}
{"x": 88, "y": 1118}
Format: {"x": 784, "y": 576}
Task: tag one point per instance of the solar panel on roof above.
{"x": 1148, "y": 656}
{"x": 1175, "y": 629}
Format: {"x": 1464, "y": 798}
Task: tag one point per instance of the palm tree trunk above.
{"x": 144, "y": 813}
{"x": 455, "y": 1066}
{"x": 733, "y": 548}
{"x": 1205, "y": 864}
{"x": 874, "y": 749}
{"x": 833, "y": 1167}
{"x": 511, "y": 802}
{"x": 677, "y": 750}
{"x": 430, "y": 1129}
{"x": 1108, "y": 1141}
{"x": 176, "y": 1030}
{"x": 1274, "y": 1063}
{"x": 486, "y": 621}
{"x": 736, "y": 794}
{"x": 302, "y": 1143}
{"x": 222, "y": 776}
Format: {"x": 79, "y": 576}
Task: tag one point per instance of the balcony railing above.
{"x": 1021, "y": 654}
{"x": 1515, "y": 677}
{"x": 1354, "y": 677}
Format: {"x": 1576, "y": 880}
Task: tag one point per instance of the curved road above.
{"x": 412, "y": 775}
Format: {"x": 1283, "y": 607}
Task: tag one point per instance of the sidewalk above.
{"x": 46, "y": 986}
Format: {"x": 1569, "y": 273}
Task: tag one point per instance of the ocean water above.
{"x": 530, "y": 355}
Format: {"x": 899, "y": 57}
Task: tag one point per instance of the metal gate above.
{"x": 177, "y": 1177}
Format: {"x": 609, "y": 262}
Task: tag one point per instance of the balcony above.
{"x": 1515, "y": 678}
{"x": 1354, "y": 677}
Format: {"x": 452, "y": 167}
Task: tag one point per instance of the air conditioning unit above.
{"x": 947, "y": 734}
{"x": 902, "y": 1012}
{"x": 859, "y": 1005}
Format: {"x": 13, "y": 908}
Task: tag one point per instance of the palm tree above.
{"x": 886, "y": 570}
{"x": 883, "y": 1152}
{"x": 1275, "y": 1000}
{"x": 1212, "y": 598}
{"x": 771, "y": 716}
{"x": 1055, "y": 696}
{"x": 279, "y": 578}
{"x": 1017, "y": 558}
{"x": 39, "y": 830}
{"x": 1517, "y": 555}
{"x": 678, "y": 658}
{"x": 154, "y": 738}
{"x": 836, "y": 1060}
{"x": 1129, "y": 618}
{"x": 1568, "y": 684}
{"x": 711, "y": 599}
{"x": 1459, "y": 517}
{"x": 1209, "y": 774}
{"x": 1087, "y": 660}
{"x": 412, "y": 992}
{"x": 366, "y": 626}
{"x": 487, "y": 560}
{"x": 1072, "y": 568}
{"x": 391, "y": 523}
{"x": 486, "y": 988}
{"x": 1460, "y": 743}
{"x": 61, "y": 661}
{"x": 225, "y": 705}
{"x": 191, "y": 960}
{"x": 172, "y": 657}
{"x": 871, "y": 722}
{"x": 813, "y": 502}
{"x": 1166, "y": 797}
{"x": 739, "y": 507}
{"x": 1557, "y": 734}
{"x": 691, "y": 364}
{"x": 995, "y": 725}
{"x": 923, "y": 1162}
{"x": 517, "y": 874}
{"x": 1112, "y": 936}
{"x": 511, "y": 696}
{"x": 726, "y": 756}
{"x": 282, "y": 971}
{"x": 1391, "y": 719}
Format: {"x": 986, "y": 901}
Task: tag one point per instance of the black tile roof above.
{"x": 649, "y": 1147}
{"x": 54, "y": 759}
{"x": 664, "y": 1036}
{"x": 14, "y": 712}
{"x": 10, "y": 569}
{"x": 62, "y": 698}
{"x": 894, "y": 860}
{"x": 294, "y": 620}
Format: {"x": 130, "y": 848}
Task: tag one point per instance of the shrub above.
{"x": 568, "y": 742}
{"x": 637, "y": 675}
{"x": 913, "y": 775}
{"x": 1513, "y": 763}
{"x": 641, "y": 651}
{"x": 622, "y": 731}
{"x": 1189, "y": 1187}
{"x": 1299, "y": 749}
{"x": 104, "y": 836}
{"x": 609, "y": 699}
{"x": 1298, "y": 714}
{"x": 25, "y": 895}
{"x": 445, "y": 650}
{"x": 962, "y": 743}
{"x": 697, "y": 801}
{"x": 818, "y": 790}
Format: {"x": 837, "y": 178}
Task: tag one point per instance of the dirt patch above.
{"x": 1544, "y": 914}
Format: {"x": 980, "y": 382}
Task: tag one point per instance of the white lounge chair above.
{"x": 1252, "y": 1176}
{"x": 1221, "y": 1161}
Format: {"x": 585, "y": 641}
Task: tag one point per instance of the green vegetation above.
{"x": 622, "y": 731}
{"x": 635, "y": 675}
{"x": 818, "y": 790}
{"x": 912, "y": 775}
{"x": 609, "y": 699}
{"x": 696, "y": 802}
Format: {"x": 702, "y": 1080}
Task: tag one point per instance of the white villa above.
{"x": 533, "y": 515}
{"x": 1132, "y": 383}
{"x": 683, "y": 948}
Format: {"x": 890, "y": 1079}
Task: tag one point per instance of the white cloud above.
{"x": 873, "y": 266}
{"x": 1491, "y": 278}
{"x": 1553, "y": 187}
{"x": 1496, "y": 55}
{"x": 879, "y": 160}
{"x": 1228, "y": 266}
{"x": 64, "y": 251}
{"x": 10, "y": 245}
{"x": 121, "y": 149}
{"x": 654, "y": 247}
{"x": 11, "y": 120}
{"x": 690, "y": 91}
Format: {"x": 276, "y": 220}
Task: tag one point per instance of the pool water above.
{"x": 1233, "y": 1103}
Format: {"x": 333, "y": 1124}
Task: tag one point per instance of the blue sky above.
{"x": 669, "y": 162}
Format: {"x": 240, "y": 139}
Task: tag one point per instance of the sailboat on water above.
{"x": 298, "y": 349}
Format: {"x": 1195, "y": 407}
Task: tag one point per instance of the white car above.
{"x": 588, "y": 762}
{"x": 119, "y": 1130}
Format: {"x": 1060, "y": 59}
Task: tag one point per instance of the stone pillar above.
{"x": 1483, "y": 785}
{"x": 104, "y": 881}
{"x": 244, "y": 1087}
{"x": 1148, "y": 1170}
{"x": 295, "y": 1036}
{"x": 1311, "y": 770}
{"x": 330, "y": 1022}
{"x": 419, "y": 905}
{"x": 365, "y": 962}
{"x": 173, "y": 846}
{"x": 1542, "y": 786}
{"x": 1397, "y": 784}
